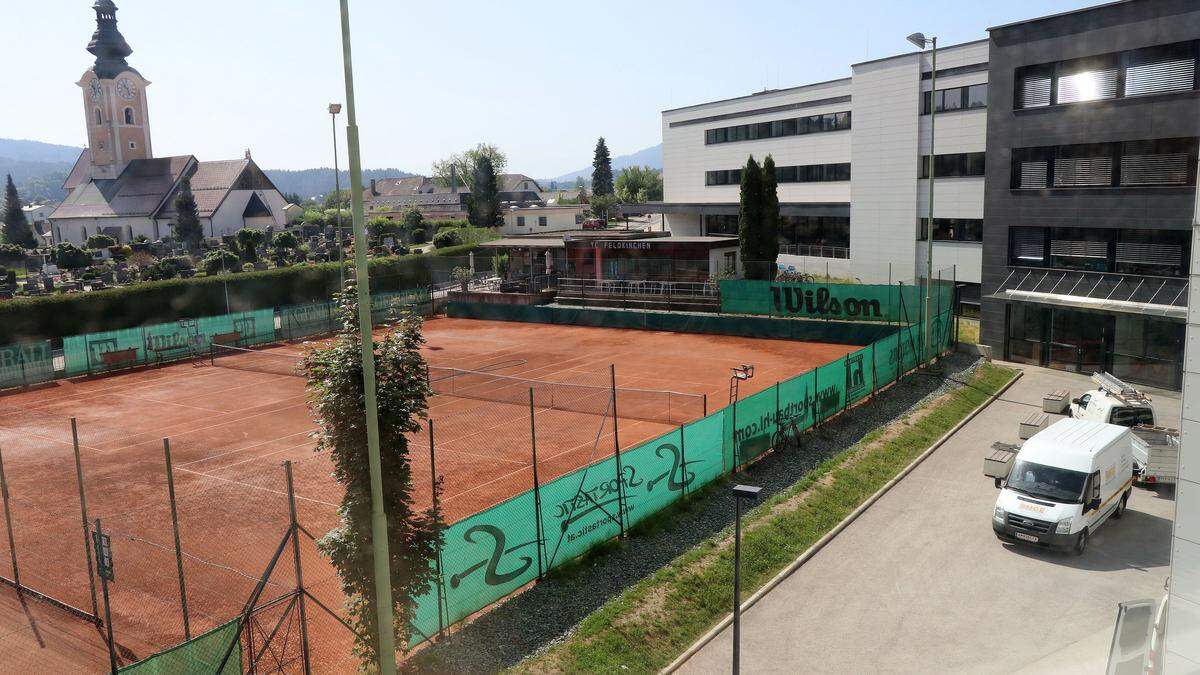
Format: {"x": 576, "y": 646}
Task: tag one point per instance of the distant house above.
{"x": 434, "y": 200}
{"x": 538, "y": 219}
{"x": 119, "y": 188}
{"x": 293, "y": 213}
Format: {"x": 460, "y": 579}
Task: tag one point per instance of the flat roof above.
{"x": 525, "y": 242}
{"x": 764, "y": 92}
{"x": 1055, "y": 16}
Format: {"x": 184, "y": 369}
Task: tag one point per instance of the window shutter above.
{"x": 1088, "y": 85}
{"x": 1149, "y": 253}
{"x": 1082, "y": 171}
{"x": 1161, "y": 69}
{"x": 1032, "y": 173}
{"x": 1028, "y": 245}
{"x": 1162, "y": 169}
{"x": 1078, "y": 248}
{"x": 1034, "y": 90}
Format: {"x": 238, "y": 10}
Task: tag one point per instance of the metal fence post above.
{"x": 87, "y": 543}
{"x": 683, "y": 460}
{"x": 537, "y": 493}
{"x": 816, "y": 396}
{"x": 295, "y": 528}
{"x": 437, "y": 561}
{"x": 187, "y": 626}
{"x": 12, "y": 544}
{"x": 612, "y": 370}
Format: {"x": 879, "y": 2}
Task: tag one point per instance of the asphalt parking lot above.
{"x": 919, "y": 583}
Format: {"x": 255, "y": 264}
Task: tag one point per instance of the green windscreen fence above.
{"x": 26, "y": 363}
{"x": 894, "y": 303}
{"x": 99, "y": 352}
{"x": 201, "y": 654}
{"x": 491, "y": 554}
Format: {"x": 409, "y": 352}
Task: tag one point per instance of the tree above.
{"x": 483, "y": 206}
{"x": 602, "y": 176}
{"x": 413, "y": 219}
{"x": 638, "y": 184}
{"x": 579, "y": 186}
{"x": 466, "y": 163}
{"x": 750, "y": 218}
{"x": 335, "y": 385}
{"x": 602, "y": 206}
{"x": 248, "y": 240}
{"x": 16, "y": 226}
{"x": 188, "y": 229}
{"x": 293, "y": 198}
{"x": 284, "y": 246}
{"x": 768, "y": 239}
{"x": 335, "y": 200}
{"x": 380, "y": 227}
{"x": 447, "y": 238}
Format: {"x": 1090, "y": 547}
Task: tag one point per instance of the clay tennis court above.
{"x": 231, "y": 428}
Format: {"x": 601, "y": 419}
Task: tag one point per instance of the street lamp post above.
{"x": 921, "y": 42}
{"x": 334, "y": 109}
{"x": 740, "y": 492}
{"x": 384, "y": 616}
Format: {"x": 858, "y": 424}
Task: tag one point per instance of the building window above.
{"x": 957, "y": 98}
{"x": 957, "y": 165}
{"x": 1162, "y": 253}
{"x": 1155, "y": 163}
{"x": 809, "y": 173}
{"x": 520, "y": 221}
{"x": 129, "y": 116}
{"x": 952, "y": 229}
{"x": 720, "y": 224}
{"x": 132, "y": 145}
{"x": 541, "y": 221}
{"x": 1140, "y": 72}
{"x": 99, "y": 118}
{"x": 794, "y": 126}
{"x": 821, "y": 236}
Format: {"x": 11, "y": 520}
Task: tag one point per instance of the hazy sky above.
{"x": 542, "y": 81}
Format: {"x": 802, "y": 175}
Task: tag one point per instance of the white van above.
{"x": 1114, "y": 402}
{"x": 1063, "y": 483}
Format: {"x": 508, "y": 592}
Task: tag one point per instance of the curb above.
{"x": 829, "y": 536}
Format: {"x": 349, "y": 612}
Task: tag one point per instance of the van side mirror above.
{"x": 999, "y": 483}
{"x": 1076, "y": 401}
{"x": 1093, "y": 505}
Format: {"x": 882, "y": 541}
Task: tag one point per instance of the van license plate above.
{"x": 1025, "y": 537}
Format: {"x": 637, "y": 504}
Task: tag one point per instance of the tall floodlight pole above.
{"x": 334, "y": 109}
{"x": 921, "y": 42}
{"x": 379, "y": 528}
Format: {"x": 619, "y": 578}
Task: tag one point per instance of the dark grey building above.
{"x": 1093, "y": 120}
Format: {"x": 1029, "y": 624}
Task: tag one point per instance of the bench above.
{"x": 118, "y": 358}
{"x": 164, "y": 352}
{"x": 1035, "y": 422}
{"x": 1056, "y": 402}
{"x": 999, "y": 459}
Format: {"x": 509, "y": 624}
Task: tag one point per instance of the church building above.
{"x": 119, "y": 188}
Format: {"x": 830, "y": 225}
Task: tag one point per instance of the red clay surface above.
{"x": 229, "y": 432}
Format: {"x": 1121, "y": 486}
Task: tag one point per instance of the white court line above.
{"x": 242, "y": 449}
{"x": 257, "y": 487}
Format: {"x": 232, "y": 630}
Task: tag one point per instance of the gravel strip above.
{"x": 547, "y": 611}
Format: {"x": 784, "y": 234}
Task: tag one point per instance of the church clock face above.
{"x": 95, "y": 91}
{"x": 126, "y": 89}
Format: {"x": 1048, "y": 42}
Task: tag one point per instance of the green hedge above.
{"x": 56, "y": 316}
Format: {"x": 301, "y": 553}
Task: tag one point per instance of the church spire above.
{"x": 108, "y": 45}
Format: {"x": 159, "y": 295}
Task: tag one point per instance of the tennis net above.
{"x": 651, "y": 405}
{"x": 239, "y": 358}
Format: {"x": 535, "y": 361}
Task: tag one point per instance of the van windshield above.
{"x": 1131, "y": 417}
{"x": 1047, "y": 482}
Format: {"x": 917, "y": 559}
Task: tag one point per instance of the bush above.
{"x": 56, "y": 316}
{"x": 447, "y": 238}
{"x": 219, "y": 261}
{"x": 98, "y": 241}
{"x": 248, "y": 267}
{"x": 141, "y": 239}
{"x": 11, "y": 253}
{"x": 70, "y": 257}
{"x": 447, "y": 223}
{"x": 418, "y": 236}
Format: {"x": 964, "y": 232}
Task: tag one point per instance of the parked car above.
{"x": 1064, "y": 483}
{"x": 594, "y": 224}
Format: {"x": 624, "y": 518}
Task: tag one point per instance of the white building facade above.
{"x": 849, "y": 162}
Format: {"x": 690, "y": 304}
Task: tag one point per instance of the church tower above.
{"x": 114, "y": 100}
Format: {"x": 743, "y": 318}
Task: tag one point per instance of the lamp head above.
{"x": 335, "y": 108}
{"x": 918, "y": 39}
{"x": 746, "y": 491}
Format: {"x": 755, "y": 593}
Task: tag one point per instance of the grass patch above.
{"x": 647, "y": 626}
{"x": 968, "y": 330}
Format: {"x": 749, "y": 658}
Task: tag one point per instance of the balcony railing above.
{"x": 815, "y": 250}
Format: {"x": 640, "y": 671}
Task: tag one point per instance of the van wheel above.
{"x": 1121, "y": 505}
{"x": 1080, "y": 543}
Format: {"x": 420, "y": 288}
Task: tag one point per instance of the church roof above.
{"x": 138, "y": 191}
{"x": 79, "y": 172}
{"x": 213, "y": 181}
